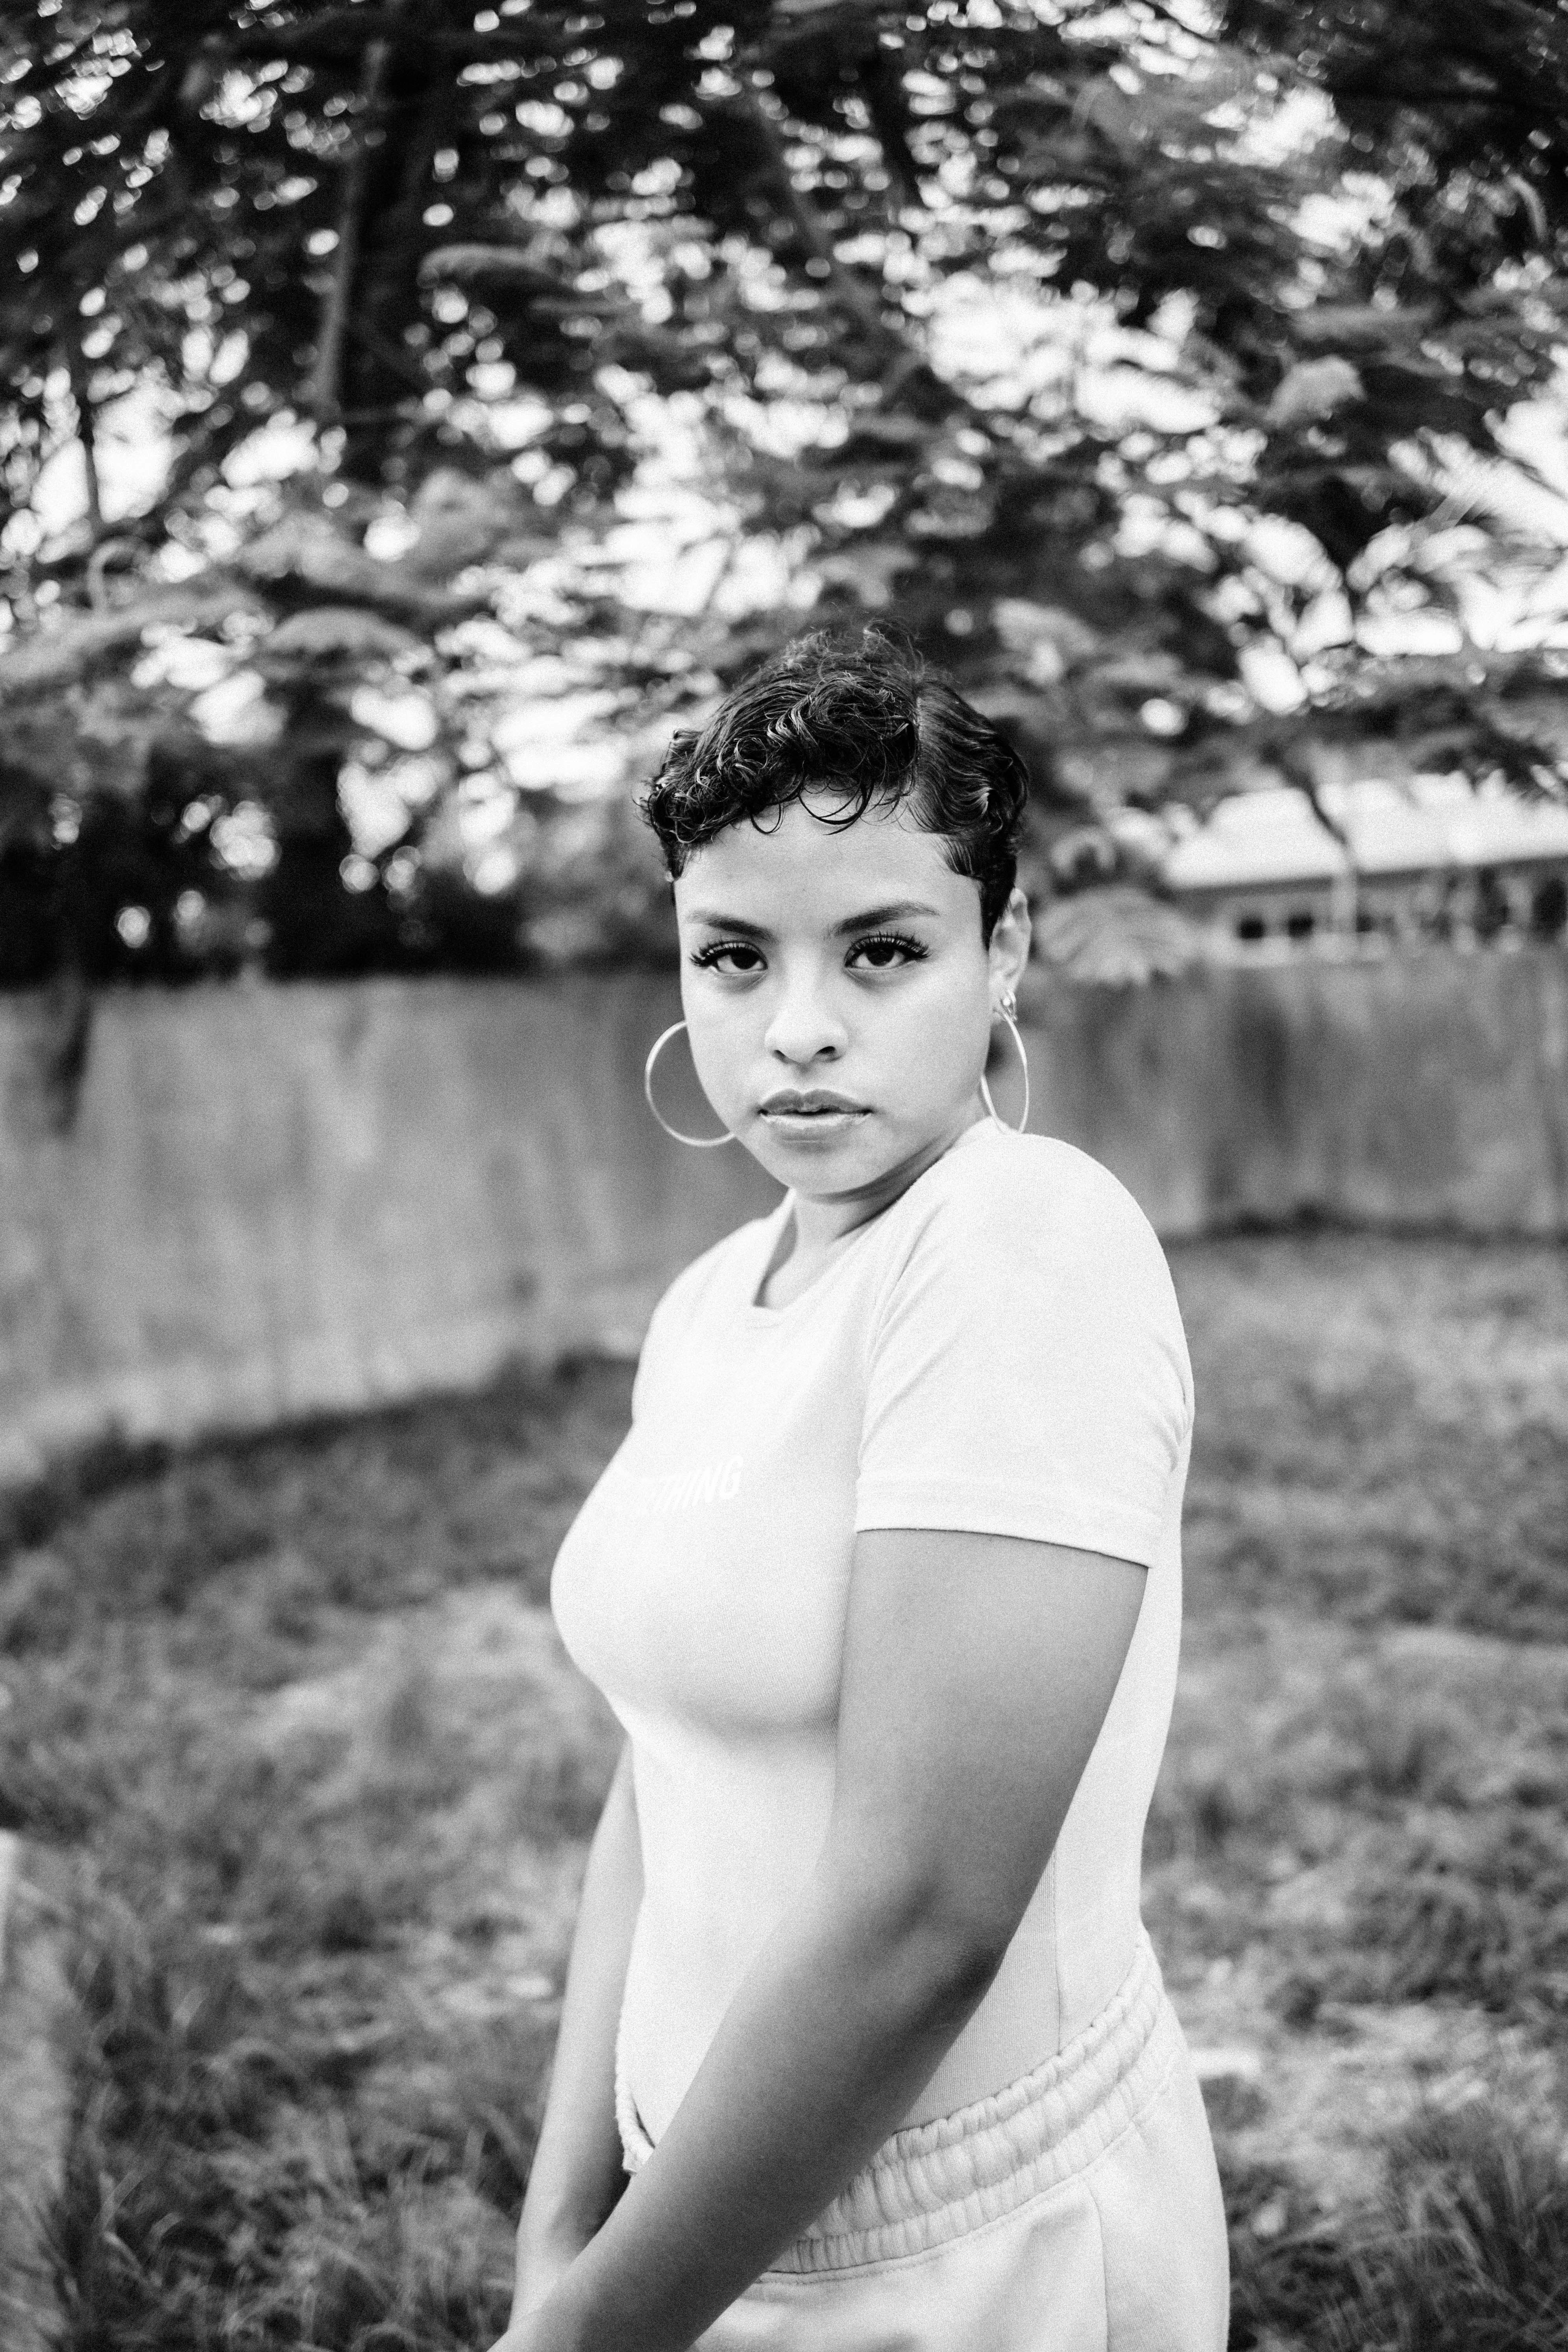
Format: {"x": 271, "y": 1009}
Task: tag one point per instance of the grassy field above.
{"x": 307, "y": 1784}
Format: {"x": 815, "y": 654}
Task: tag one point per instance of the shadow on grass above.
{"x": 228, "y": 2188}
{"x": 375, "y": 1510}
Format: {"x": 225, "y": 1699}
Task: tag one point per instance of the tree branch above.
{"x": 60, "y": 655}
{"x": 86, "y": 434}
{"x": 324, "y": 396}
{"x": 395, "y": 360}
{"x": 1382, "y": 93}
{"x": 845, "y": 284}
{"x": 339, "y": 34}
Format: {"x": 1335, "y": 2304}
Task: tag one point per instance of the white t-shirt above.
{"x": 1000, "y": 1350}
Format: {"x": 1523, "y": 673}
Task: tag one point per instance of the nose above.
{"x": 805, "y": 1027}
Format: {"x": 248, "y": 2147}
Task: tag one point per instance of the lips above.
{"x": 816, "y": 1102}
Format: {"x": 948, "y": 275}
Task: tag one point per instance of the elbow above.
{"x": 928, "y": 1939}
{"x": 964, "y": 1967}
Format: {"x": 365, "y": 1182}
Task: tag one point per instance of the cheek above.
{"x": 948, "y": 1002}
{"x": 938, "y": 1038}
{"x": 718, "y": 1031}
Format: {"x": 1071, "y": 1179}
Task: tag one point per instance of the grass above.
{"x": 1382, "y": 1431}
{"x": 371, "y": 1513}
{"x": 310, "y": 1787}
{"x": 290, "y": 1734}
{"x": 1393, "y": 1809}
{"x": 1464, "y": 2250}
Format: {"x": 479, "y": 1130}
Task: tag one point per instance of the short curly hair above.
{"x": 859, "y": 715}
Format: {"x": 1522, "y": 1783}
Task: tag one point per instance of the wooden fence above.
{"x": 229, "y": 1205}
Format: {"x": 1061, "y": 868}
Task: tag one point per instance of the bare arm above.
{"x": 977, "y": 1673}
{"x": 576, "y": 2175}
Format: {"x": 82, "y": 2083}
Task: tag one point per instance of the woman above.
{"x": 884, "y": 1586}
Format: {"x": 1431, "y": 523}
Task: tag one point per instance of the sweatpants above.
{"x": 1076, "y": 2211}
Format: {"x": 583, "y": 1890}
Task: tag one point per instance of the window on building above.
{"x": 1549, "y": 908}
{"x": 1488, "y": 906}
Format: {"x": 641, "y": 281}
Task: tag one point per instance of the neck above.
{"x": 822, "y": 1219}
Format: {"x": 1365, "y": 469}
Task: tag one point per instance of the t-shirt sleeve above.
{"x": 1029, "y": 1374}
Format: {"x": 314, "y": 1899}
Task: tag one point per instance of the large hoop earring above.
{"x": 1006, "y": 1009}
{"x": 697, "y": 1142}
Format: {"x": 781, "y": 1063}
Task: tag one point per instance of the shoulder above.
{"x": 1001, "y": 1196}
{"x": 1026, "y": 1373}
{"x": 1014, "y": 1238}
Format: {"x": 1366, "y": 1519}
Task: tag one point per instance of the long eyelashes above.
{"x": 890, "y": 943}
{"x": 707, "y": 957}
{"x": 912, "y": 950}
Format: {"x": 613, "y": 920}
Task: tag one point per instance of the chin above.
{"x": 817, "y": 1160}
{"x": 825, "y": 1175}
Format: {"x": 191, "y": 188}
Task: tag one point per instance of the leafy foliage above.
{"x": 1154, "y": 372}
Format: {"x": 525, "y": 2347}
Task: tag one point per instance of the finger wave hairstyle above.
{"x": 860, "y": 716}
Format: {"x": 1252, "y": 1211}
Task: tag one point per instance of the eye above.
{"x": 887, "y": 951}
{"x": 735, "y": 956}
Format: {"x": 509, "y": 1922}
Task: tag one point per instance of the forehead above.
{"x": 801, "y": 868}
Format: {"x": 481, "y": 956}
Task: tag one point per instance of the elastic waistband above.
{"x": 939, "y": 2180}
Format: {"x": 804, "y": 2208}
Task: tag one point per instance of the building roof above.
{"x": 1271, "y": 839}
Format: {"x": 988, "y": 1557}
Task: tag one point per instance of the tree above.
{"x": 1274, "y": 281}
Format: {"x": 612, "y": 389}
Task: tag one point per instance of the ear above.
{"x": 1009, "y": 949}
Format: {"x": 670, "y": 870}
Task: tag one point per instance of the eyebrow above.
{"x": 896, "y": 910}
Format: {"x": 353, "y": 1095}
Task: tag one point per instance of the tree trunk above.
{"x": 313, "y": 924}
{"x": 414, "y": 117}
